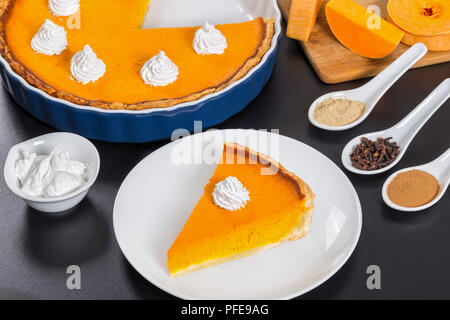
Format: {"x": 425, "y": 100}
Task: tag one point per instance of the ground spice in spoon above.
{"x": 413, "y": 188}
{"x": 338, "y": 112}
{"x": 374, "y": 155}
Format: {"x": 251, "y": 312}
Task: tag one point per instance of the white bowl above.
{"x": 79, "y": 149}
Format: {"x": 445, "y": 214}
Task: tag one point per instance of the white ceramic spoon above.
{"x": 372, "y": 91}
{"x": 403, "y": 132}
{"x": 439, "y": 168}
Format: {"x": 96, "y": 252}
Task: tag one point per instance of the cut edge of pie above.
{"x": 35, "y": 81}
{"x": 298, "y": 232}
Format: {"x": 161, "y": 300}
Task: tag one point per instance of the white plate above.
{"x": 158, "y": 195}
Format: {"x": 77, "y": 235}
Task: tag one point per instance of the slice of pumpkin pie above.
{"x": 243, "y": 210}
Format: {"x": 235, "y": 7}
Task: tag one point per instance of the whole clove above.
{"x": 373, "y": 155}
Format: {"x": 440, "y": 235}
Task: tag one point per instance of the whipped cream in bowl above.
{"x": 209, "y": 40}
{"x": 51, "y": 39}
{"x": 159, "y": 71}
{"x": 230, "y": 194}
{"x": 63, "y": 8}
{"x": 86, "y": 67}
{"x": 53, "y": 172}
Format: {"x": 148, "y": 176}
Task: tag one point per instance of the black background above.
{"x": 412, "y": 249}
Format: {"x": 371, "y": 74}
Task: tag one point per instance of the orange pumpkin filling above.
{"x": 361, "y": 31}
{"x": 279, "y": 209}
{"x": 113, "y": 30}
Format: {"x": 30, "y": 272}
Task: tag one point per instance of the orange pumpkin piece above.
{"x": 360, "y": 30}
{"x": 422, "y": 21}
{"x": 302, "y": 16}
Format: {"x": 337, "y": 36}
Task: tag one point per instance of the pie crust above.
{"x": 35, "y": 81}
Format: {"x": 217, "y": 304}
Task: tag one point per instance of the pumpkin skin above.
{"x": 427, "y": 22}
{"x": 349, "y": 23}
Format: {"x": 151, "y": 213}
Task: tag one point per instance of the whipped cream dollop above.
{"x": 209, "y": 40}
{"x": 63, "y": 8}
{"x": 230, "y": 194}
{"x": 50, "y": 175}
{"x": 86, "y": 67}
{"x": 159, "y": 71}
{"x": 51, "y": 39}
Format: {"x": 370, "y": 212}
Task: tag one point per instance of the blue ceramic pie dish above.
{"x": 152, "y": 124}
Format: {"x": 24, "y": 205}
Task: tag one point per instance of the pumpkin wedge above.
{"x": 351, "y": 25}
{"x": 302, "y": 16}
{"x": 422, "y": 21}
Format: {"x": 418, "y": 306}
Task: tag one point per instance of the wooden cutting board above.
{"x": 334, "y": 63}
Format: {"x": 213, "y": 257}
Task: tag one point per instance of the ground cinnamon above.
{"x": 413, "y": 188}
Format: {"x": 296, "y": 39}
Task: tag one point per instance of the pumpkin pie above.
{"x": 113, "y": 30}
{"x": 279, "y": 209}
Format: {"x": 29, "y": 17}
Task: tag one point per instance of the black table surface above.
{"x": 411, "y": 249}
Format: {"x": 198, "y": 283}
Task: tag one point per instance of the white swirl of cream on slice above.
{"x": 159, "y": 71}
{"x": 51, "y": 39}
{"x": 209, "y": 40}
{"x": 86, "y": 67}
{"x": 230, "y": 194}
{"x": 63, "y": 8}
